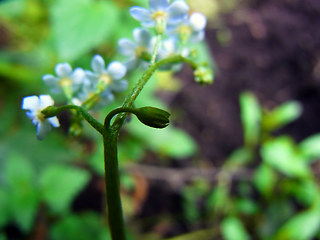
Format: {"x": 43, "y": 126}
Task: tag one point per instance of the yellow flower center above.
{"x": 159, "y": 15}
{"x": 65, "y": 82}
{"x": 140, "y": 50}
{"x": 105, "y": 78}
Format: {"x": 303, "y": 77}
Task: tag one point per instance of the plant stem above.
{"x": 112, "y": 181}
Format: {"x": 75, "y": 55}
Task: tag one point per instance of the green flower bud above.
{"x": 203, "y": 75}
{"x": 153, "y": 117}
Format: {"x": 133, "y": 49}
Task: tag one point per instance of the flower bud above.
{"x": 203, "y": 75}
{"x": 153, "y": 117}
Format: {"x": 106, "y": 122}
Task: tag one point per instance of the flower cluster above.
{"x": 175, "y": 30}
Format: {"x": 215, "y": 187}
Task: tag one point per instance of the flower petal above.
{"x": 78, "y": 76}
{"x": 116, "y": 70}
{"x": 142, "y": 37}
{"x": 45, "y": 101}
{"x": 178, "y": 11}
{"x": 97, "y": 64}
{"x": 197, "y": 21}
{"x": 132, "y": 63}
{"x": 50, "y": 80}
{"x": 158, "y": 4}
{"x": 63, "y": 70}
{"x": 54, "y": 121}
{"x": 140, "y": 14}
{"x": 42, "y": 129}
{"x": 30, "y": 103}
{"x": 126, "y": 47}
{"x": 119, "y": 86}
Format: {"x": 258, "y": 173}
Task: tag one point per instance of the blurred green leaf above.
{"x": 247, "y": 206}
{"x": 239, "y": 158}
{"x": 265, "y": 179}
{"x": 11, "y": 8}
{"x": 60, "y": 184}
{"x": 170, "y": 141}
{"x": 281, "y": 115}
{"x": 306, "y": 191}
{"x": 250, "y": 116}
{"x": 4, "y": 203}
{"x": 233, "y": 229}
{"x": 22, "y": 193}
{"x": 302, "y": 226}
{"x": 218, "y": 199}
{"x": 310, "y": 148}
{"x": 80, "y": 25}
{"x": 282, "y": 154}
{"x": 80, "y": 227}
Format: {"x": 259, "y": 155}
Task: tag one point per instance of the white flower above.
{"x": 161, "y": 13}
{"x": 35, "y": 105}
{"x": 134, "y": 49}
{"x": 66, "y": 80}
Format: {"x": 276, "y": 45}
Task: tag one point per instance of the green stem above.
{"x": 143, "y": 80}
{"x": 54, "y": 111}
{"x": 156, "y": 49}
{"x": 107, "y": 120}
{"x": 112, "y": 181}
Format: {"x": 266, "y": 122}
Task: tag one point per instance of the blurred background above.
{"x": 239, "y": 161}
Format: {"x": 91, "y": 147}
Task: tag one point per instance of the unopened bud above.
{"x": 203, "y": 75}
{"x": 153, "y": 117}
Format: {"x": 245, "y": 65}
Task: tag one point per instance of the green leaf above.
{"x": 170, "y": 141}
{"x": 251, "y": 117}
{"x": 80, "y": 227}
{"x": 264, "y": 179}
{"x": 22, "y": 193}
{"x": 60, "y": 184}
{"x": 282, "y": 115}
{"x": 310, "y": 148}
{"x": 233, "y": 229}
{"x": 218, "y": 199}
{"x": 302, "y": 226}
{"x": 80, "y": 25}
{"x": 281, "y": 154}
{"x": 239, "y": 158}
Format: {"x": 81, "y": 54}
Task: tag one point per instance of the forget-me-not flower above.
{"x": 134, "y": 49}
{"x": 66, "y": 80}
{"x": 161, "y": 13}
{"x": 191, "y": 29}
{"x": 35, "y": 105}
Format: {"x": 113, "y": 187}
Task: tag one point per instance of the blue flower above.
{"x": 134, "y": 49}
{"x": 66, "y": 80}
{"x": 103, "y": 81}
{"x": 161, "y": 13}
{"x": 35, "y": 105}
{"x": 191, "y": 29}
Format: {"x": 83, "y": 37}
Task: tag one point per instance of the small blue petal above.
{"x": 119, "y": 86}
{"x": 97, "y": 64}
{"x": 178, "y": 11}
{"x": 54, "y": 121}
{"x": 142, "y": 36}
{"x": 30, "y": 103}
{"x": 116, "y": 70}
{"x": 156, "y": 5}
{"x": 126, "y": 47}
{"x": 140, "y": 14}
{"x": 63, "y": 70}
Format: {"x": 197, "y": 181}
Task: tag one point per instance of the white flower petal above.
{"x": 50, "y": 80}
{"x": 126, "y": 47}
{"x": 132, "y": 63}
{"x": 116, "y": 70}
{"x": 78, "y": 76}
{"x": 148, "y": 24}
{"x": 142, "y": 36}
{"x": 119, "y": 86}
{"x": 178, "y": 11}
{"x": 97, "y": 64}
{"x": 42, "y": 129}
{"x": 140, "y": 14}
{"x": 63, "y": 70}
{"x": 54, "y": 121}
{"x": 197, "y": 21}
{"x": 30, "y": 103}
{"x": 158, "y": 4}
{"x": 45, "y": 101}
